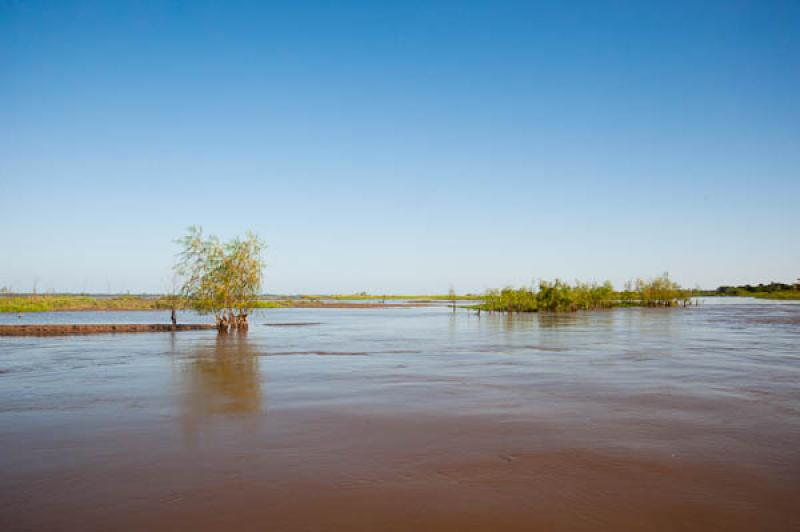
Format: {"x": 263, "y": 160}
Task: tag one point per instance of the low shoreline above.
{"x": 35, "y": 304}
{"x": 319, "y": 304}
{"x": 62, "y": 329}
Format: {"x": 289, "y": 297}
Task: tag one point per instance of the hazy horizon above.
{"x": 403, "y": 148}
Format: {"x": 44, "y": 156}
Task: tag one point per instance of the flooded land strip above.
{"x": 53, "y": 329}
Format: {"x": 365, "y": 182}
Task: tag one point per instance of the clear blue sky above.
{"x": 401, "y": 146}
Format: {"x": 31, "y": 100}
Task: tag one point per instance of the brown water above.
{"x": 401, "y": 419}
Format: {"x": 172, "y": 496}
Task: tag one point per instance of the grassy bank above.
{"x": 362, "y": 297}
{"x": 273, "y": 304}
{"x": 558, "y": 296}
{"x": 790, "y": 295}
{"x": 50, "y": 303}
{"x": 772, "y": 290}
{"x": 787, "y": 295}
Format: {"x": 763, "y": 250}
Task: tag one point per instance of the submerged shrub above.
{"x": 559, "y": 296}
{"x": 510, "y": 300}
{"x": 661, "y": 292}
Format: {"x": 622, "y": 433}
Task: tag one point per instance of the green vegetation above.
{"x": 750, "y": 290}
{"x": 785, "y": 295}
{"x": 363, "y": 295}
{"x": 50, "y": 303}
{"x": 223, "y": 278}
{"x": 658, "y": 292}
{"x": 278, "y": 303}
{"x": 772, "y": 290}
{"x": 558, "y": 296}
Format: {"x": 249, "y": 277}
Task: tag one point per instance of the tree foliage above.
{"x": 761, "y": 288}
{"x": 223, "y": 278}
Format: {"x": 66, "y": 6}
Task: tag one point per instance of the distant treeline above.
{"x": 749, "y": 289}
{"x": 559, "y": 296}
{"x": 771, "y": 290}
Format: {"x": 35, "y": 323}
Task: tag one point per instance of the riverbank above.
{"x": 335, "y": 304}
{"x": 788, "y": 295}
{"x": 420, "y": 298}
{"x": 77, "y": 303}
{"x": 97, "y": 328}
{"x": 791, "y": 295}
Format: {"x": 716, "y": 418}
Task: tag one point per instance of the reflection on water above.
{"x": 221, "y": 378}
{"x": 502, "y": 321}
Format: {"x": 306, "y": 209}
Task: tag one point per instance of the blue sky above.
{"x": 401, "y": 147}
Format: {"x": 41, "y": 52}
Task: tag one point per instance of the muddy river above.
{"x": 408, "y": 419}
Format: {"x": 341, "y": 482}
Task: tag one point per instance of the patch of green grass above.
{"x": 48, "y": 303}
{"x": 272, "y": 304}
{"x": 53, "y": 303}
{"x": 358, "y": 297}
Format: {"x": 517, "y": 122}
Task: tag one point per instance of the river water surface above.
{"x": 408, "y": 419}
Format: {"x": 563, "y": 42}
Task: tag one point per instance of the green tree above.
{"x": 223, "y": 278}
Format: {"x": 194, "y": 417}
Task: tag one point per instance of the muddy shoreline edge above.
{"x": 88, "y": 328}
